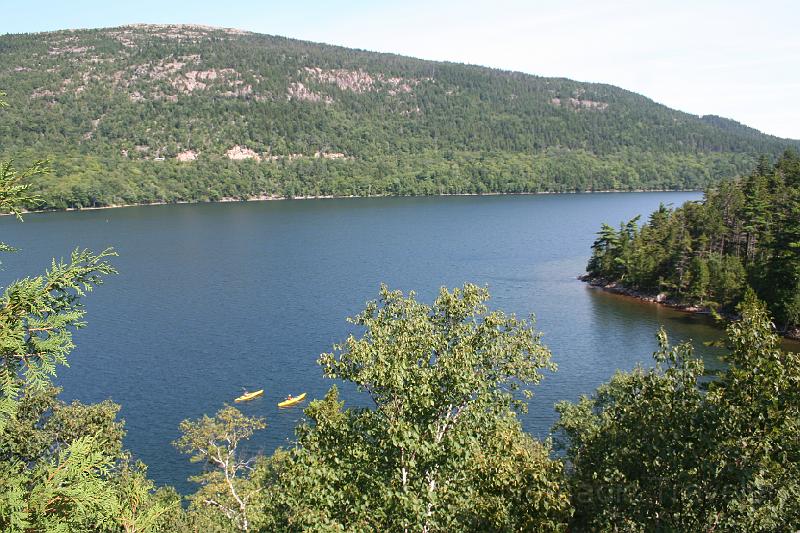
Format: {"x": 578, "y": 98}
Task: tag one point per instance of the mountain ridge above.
{"x": 499, "y": 70}
{"x": 149, "y": 113}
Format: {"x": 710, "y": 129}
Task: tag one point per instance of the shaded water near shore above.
{"x": 213, "y": 298}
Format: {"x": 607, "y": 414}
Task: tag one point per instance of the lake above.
{"x": 216, "y": 297}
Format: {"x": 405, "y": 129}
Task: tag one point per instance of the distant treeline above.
{"x": 90, "y": 181}
{"x": 745, "y": 233}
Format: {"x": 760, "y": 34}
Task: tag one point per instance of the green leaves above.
{"x": 444, "y": 379}
{"x": 427, "y": 360}
{"x": 14, "y": 185}
{"x": 652, "y": 451}
{"x": 74, "y": 486}
{"x": 38, "y": 314}
{"x": 62, "y": 467}
{"x": 208, "y": 439}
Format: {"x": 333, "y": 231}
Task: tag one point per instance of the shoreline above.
{"x": 274, "y": 197}
{"x": 662, "y": 300}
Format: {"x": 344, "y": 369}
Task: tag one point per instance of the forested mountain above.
{"x": 186, "y": 113}
{"x": 745, "y": 233}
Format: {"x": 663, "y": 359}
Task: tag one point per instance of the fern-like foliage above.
{"x": 61, "y": 494}
{"x": 37, "y": 317}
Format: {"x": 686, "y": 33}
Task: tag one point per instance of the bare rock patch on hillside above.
{"x": 298, "y": 91}
{"x": 238, "y": 153}
{"x": 361, "y": 81}
{"x": 578, "y": 103}
{"x": 187, "y": 155}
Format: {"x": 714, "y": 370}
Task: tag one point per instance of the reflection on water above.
{"x": 701, "y": 329}
{"x": 634, "y": 317}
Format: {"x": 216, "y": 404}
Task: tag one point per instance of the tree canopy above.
{"x": 664, "y": 449}
{"x": 441, "y": 447}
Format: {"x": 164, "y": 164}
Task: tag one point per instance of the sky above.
{"x": 735, "y": 58}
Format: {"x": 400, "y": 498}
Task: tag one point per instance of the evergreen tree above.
{"x": 745, "y": 233}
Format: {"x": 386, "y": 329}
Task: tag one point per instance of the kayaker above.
{"x": 289, "y": 397}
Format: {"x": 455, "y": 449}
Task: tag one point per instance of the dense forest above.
{"x": 745, "y": 233}
{"x": 141, "y": 114}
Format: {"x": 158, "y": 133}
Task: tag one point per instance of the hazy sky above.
{"x": 735, "y": 58}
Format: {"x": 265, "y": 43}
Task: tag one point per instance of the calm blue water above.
{"x": 213, "y": 298}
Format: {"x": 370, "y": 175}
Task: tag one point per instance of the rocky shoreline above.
{"x": 665, "y": 300}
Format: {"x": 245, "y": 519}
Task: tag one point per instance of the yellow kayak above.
{"x": 292, "y": 401}
{"x": 247, "y": 396}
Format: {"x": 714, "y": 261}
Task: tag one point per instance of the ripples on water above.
{"x": 214, "y": 298}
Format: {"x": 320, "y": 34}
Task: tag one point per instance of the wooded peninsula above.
{"x": 745, "y": 233}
